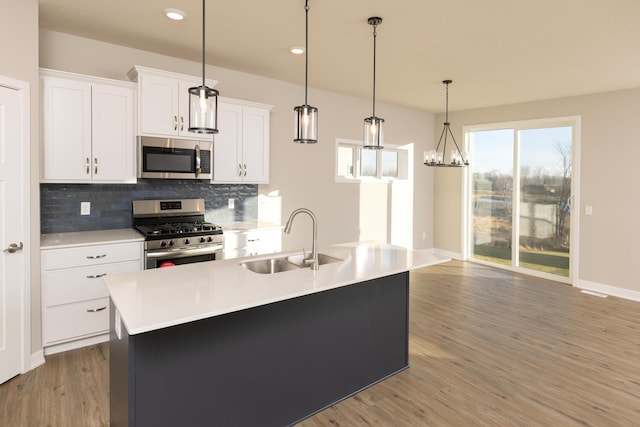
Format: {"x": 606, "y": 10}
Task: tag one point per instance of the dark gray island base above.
{"x": 272, "y": 365}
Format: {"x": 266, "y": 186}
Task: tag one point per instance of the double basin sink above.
{"x": 284, "y": 263}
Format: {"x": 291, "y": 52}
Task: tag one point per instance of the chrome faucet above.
{"x": 312, "y": 259}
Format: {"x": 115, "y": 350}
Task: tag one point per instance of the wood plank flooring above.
{"x": 487, "y": 348}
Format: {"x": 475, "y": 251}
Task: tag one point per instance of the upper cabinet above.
{"x": 241, "y": 147}
{"x": 88, "y": 132}
{"x": 163, "y": 103}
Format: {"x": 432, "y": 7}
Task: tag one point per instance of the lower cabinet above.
{"x": 252, "y": 242}
{"x": 75, "y": 300}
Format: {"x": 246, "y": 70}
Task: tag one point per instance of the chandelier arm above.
{"x": 457, "y": 147}
{"x": 440, "y": 140}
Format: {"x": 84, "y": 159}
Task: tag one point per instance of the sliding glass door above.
{"x": 520, "y": 195}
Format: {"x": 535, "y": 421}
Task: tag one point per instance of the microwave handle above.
{"x": 198, "y": 167}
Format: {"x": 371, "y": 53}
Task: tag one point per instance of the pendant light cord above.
{"x": 375, "y": 33}
{"x": 203, "y": 39}
{"x": 306, "y": 50}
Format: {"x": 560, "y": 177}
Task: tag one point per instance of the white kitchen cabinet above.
{"x": 75, "y": 301}
{"x": 88, "y": 129}
{"x": 241, "y": 148}
{"x": 163, "y": 103}
{"x": 252, "y": 242}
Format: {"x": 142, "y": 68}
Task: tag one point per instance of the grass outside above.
{"x": 546, "y": 261}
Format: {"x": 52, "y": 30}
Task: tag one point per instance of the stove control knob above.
{"x": 170, "y": 242}
{"x": 186, "y": 241}
{"x": 163, "y": 244}
{"x": 202, "y": 240}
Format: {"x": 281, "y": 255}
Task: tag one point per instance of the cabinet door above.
{"x": 113, "y": 137}
{"x": 158, "y": 111}
{"x": 66, "y": 130}
{"x": 227, "y": 147}
{"x": 255, "y": 145}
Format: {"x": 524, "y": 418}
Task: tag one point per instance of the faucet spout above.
{"x": 312, "y": 260}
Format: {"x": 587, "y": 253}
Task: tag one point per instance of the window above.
{"x": 354, "y": 163}
{"x": 520, "y": 185}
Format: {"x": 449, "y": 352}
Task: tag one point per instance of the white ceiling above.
{"x": 496, "y": 51}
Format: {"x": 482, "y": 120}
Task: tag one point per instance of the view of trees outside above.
{"x": 544, "y": 159}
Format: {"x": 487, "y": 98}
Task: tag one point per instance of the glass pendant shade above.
{"x": 306, "y": 116}
{"x": 203, "y": 109}
{"x": 306, "y": 124}
{"x": 373, "y": 133}
{"x": 373, "y": 137}
{"x": 203, "y": 101}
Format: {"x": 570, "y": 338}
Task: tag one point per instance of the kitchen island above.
{"x": 214, "y": 343}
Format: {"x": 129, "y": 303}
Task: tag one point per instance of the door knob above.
{"x": 13, "y": 248}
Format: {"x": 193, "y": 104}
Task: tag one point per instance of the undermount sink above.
{"x": 322, "y": 259}
{"x": 269, "y": 266}
{"x": 286, "y": 263}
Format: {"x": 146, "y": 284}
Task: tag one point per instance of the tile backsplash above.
{"x": 111, "y": 204}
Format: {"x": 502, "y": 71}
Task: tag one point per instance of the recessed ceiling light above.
{"x": 296, "y": 50}
{"x": 175, "y": 14}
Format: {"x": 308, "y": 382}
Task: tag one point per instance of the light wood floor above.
{"x": 487, "y": 348}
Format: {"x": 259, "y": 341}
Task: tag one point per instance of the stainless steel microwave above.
{"x": 170, "y": 158}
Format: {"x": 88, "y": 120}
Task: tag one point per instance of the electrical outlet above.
{"x": 588, "y": 210}
{"x": 424, "y": 235}
{"x": 232, "y": 203}
{"x": 85, "y": 208}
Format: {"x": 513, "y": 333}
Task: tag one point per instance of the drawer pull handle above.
{"x": 96, "y": 256}
{"x": 96, "y": 276}
{"x": 95, "y": 310}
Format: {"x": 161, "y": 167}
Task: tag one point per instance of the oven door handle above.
{"x": 184, "y": 252}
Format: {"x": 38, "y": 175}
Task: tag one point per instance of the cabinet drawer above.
{"x": 70, "y": 321}
{"x": 90, "y": 255}
{"x": 81, "y": 283}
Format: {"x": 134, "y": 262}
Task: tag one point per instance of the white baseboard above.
{"x": 37, "y": 359}
{"x": 448, "y": 254}
{"x": 71, "y": 345}
{"x": 609, "y": 290}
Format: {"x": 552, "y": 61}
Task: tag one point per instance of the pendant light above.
{"x": 373, "y": 132}
{"x": 306, "y": 116}
{"x": 203, "y": 101}
{"x": 437, "y": 158}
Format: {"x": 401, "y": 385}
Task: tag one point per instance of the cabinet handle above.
{"x": 245, "y": 169}
{"x": 239, "y": 169}
{"x": 88, "y": 166}
{"x": 175, "y": 122}
{"x": 95, "y": 310}
{"x": 181, "y": 123}
{"x": 96, "y": 276}
{"x": 96, "y": 256}
{"x": 95, "y": 162}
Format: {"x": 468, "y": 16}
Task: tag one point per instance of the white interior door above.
{"x": 12, "y": 225}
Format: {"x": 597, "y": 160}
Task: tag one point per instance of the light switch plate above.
{"x": 232, "y": 203}
{"x": 85, "y": 208}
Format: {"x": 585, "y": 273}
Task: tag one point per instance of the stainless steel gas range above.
{"x": 176, "y": 233}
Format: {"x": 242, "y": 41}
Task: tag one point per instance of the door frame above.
{"x": 575, "y": 122}
{"x": 24, "y": 93}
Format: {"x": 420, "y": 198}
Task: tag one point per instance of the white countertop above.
{"x": 86, "y": 238}
{"x": 237, "y": 226}
{"x": 159, "y": 298}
